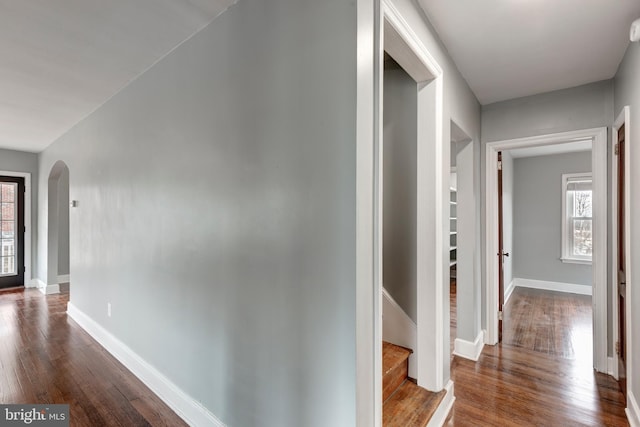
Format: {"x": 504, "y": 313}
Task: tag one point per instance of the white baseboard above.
{"x": 44, "y": 288}
{"x": 441, "y": 414}
{"x": 399, "y": 329}
{"x": 633, "y": 410}
{"x": 509, "y": 290}
{"x": 184, "y": 405}
{"x": 64, "y": 278}
{"x": 50, "y": 289}
{"x": 469, "y": 350}
{"x": 33, "y": 283}
{"x": 570, "y": 288}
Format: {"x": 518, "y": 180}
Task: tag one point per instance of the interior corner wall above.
{"x": 582, "y": 107}
{"x": 538, "y": 218}
{"x": 217, "y": 213}
{"x": 627, "y": 92}
{"x": 20, "y": 161}
{"x": 507, "y": 217}
{"x": 400, "y": 188}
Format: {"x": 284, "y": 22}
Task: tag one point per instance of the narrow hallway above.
{"x": 541, "y": 375}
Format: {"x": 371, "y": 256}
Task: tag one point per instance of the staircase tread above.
{"x": 410, "y": 406}
{"x": 393, "y": 355}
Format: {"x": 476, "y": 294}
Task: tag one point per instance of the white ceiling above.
{"x": 511, "y": 48}
{"x": 546, "y": 150}
{"x": 62, "y": 59}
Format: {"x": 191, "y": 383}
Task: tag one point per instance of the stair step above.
{"x": 393, "y": 355}
{"x": 410, "y": 406}
{"x": 395, "y": 367}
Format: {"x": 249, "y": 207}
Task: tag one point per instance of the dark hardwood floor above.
{"x": 553, "y": 323}
{"x": 45, "y": 357}
{"x": 541, "y": 375}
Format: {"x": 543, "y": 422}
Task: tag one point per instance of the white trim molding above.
{"x": 632, "y": 410}
{"x": 508, "y": 291}
{"x": 44, "y": 288}
{"x": 368, "y": 301}
{"x": 442, "y": 412}
{"x": 27, "y": 223}
{"x": 570, "y": 288}
{"x": 64, "y": 278}
{"x": 184, "y": 405}
{"x": 469, "y": 350}
{"x": 598, "y": 137}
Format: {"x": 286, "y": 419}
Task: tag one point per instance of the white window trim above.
{"x": 567, "y": 257}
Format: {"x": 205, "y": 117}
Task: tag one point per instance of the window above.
{"x": 577, "y": 197}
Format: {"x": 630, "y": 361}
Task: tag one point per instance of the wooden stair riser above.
{"x": 394, "y": 378}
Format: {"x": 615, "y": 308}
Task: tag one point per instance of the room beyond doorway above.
{"x": 598, "y": 138}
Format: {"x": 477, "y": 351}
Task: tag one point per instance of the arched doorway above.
{"x": 58, "y": 270}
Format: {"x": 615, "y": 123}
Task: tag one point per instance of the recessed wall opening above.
{"x": 412, "y": 219}
{"x": 395, "y": 40}
{"x": 460, "y": 205}
{"x": 399, "y": 213}
{"x": 58, "y": 258}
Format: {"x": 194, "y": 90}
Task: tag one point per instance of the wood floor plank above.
{"x": 410, "y": 406}
{"x": 541, "y": 375}
{"x": 45, "y": 357}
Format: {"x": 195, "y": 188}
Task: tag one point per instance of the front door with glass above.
{"x": 12, "y": 237}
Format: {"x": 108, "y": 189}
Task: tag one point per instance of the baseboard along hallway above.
{"x": 45, "y": 357}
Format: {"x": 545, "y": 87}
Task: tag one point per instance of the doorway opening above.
{"x": 597, "y": 231}
{"x": 427, "y": 241}
{"x": 12, "y": 267}
{"x": 545, "y": 237}
{"x": 58, "y": 254}
{"x": 16, "y": 226}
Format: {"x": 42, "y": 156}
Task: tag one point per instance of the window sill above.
{"x": 576, "y": 261}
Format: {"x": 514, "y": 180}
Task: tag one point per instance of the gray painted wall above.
{"x": 627, "y": 92}
{"x": 18, "y": 161}
{"x": 582, "y": 107}
{"x": 507, "y": 216}
{"x": 400, "y": 184}
{"x": 63, "y": 223}
{"x": 217, "y": 214}
{"x": 537, "y": 209}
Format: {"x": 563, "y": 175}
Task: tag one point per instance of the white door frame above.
{"x": 27, "y": 223}
{"x": 382, "y": 23}
{"x": 623, "y": 118}
{"x": 598, "y": 136}
{"x": 399, "y": 40}
{"x": 368, "y": 333}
